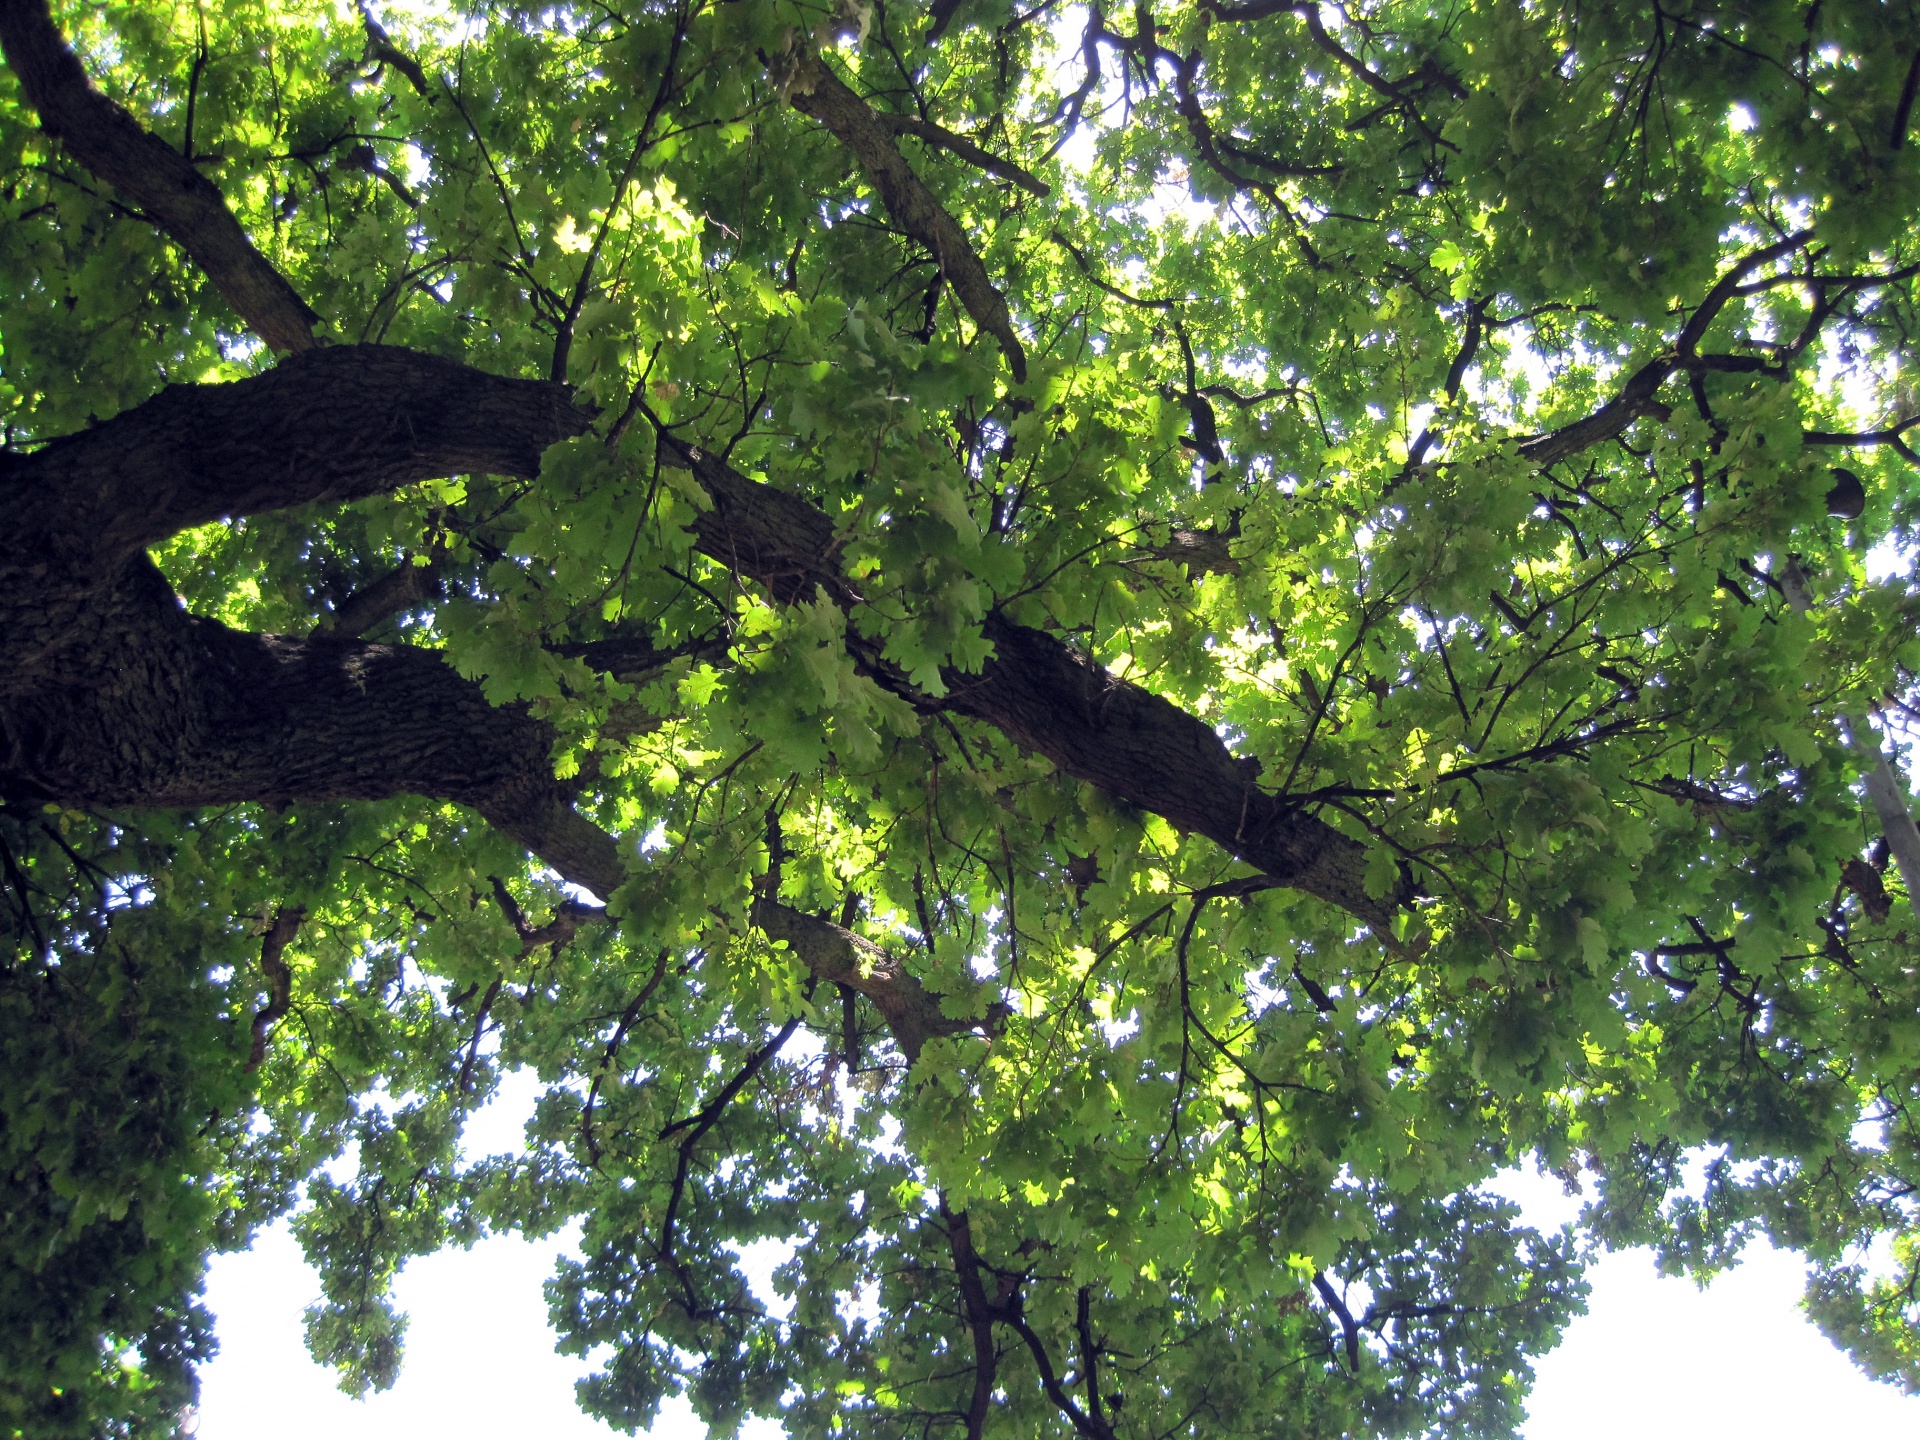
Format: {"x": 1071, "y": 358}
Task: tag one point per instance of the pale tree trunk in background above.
{"x": 1884, "y": 790}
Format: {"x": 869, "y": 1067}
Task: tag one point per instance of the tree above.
{"x": 1081, "y": 662}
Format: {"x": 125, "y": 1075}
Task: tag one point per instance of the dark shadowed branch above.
{"x": 151, "y": 174}
{"x": 1640, "y": 395}
{"x": 337, "y": 424}
{"x": 273, "y": 965}
{"x": 1051, "y": 699}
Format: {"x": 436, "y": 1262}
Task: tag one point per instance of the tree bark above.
{"x": 151, "y": 174}
{"x": 109, "y": 694}
{"x": 112, "y": 695}
{"x": 331, "y": 425}
{"x": 162, "y": 709}
{"x": 1050, "y": 699}
{"x": 835, "y": 953}
{"x": 815, "y": 90}
{"x": 158, "y": 700}
{"x": 405, "y": 587}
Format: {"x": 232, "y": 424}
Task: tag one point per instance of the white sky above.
{"x": 1653, "y": 1357}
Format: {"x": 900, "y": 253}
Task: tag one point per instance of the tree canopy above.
{"x": 1079, "y": 661}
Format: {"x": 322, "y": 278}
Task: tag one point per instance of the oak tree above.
{"x": 1078, "y": 661}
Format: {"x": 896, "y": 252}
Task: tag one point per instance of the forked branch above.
{"x": 962, "y": 148}
{"x": 815, "y": 90}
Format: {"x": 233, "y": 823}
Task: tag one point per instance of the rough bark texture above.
{"x": 335, "y": 424}
{"x": 330, "y": 425}
{"x": 405, "y": 587}
{"x": 162, "y": 709}
{"x": 111, "y": 694}
{"x": 1147, "y": 751}
{"x": 151, "y": 174}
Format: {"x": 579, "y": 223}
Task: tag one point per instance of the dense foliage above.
{"x": 1150, "y": 642}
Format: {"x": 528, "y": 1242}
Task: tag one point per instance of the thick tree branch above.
{"x": 1203, "y": 552}
{"x": 1638, "y": 397}
{"x": 630, "y": 657}
{"x": 1903, "y": 110}
{"x": 1143, "y": 749}
{"x": 815, "y": 90}
{"x": 351, "y": 421}
{"x": 161, "y": 709}
{"x": 336, "y": 424}
{"x": 153, "y": 175}
{"x": 1050, "y": 699}
{"x": 158, "y": 709}
{"x": 833, "y": 953}
{"x": 779, "y": 540}
{"x": 330, "y": 425}
{"x": 962, "y": 148}
{"x": 405, "y": 587}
